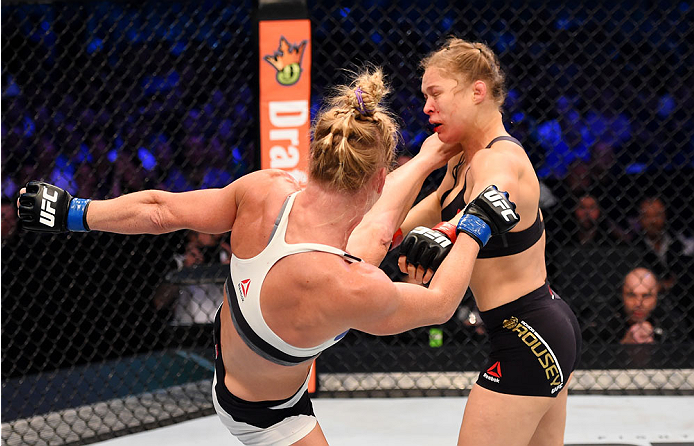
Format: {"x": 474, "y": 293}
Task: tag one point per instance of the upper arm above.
{"x": 425, "y": 213}
{"x": 428, "y": 211}
{"x": 211, "y": 211}
{"x": 498, "y": 168}
{"x": 381, "y": 307}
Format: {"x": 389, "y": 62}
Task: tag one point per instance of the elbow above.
{"x": 443, "y": 317}
{"x": 381, "y": 234}
{"x": 443, "y": 312}
{"x": 158, "y": 215}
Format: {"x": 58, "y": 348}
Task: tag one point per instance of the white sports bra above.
{"x": 246, "y": 278}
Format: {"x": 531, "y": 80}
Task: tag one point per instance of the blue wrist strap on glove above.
{"x": 77, "y": 215}
{"x": 476, "y": 227}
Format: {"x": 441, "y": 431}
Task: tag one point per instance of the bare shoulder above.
{"x": 503, "y": 154}
{"x": 258, "y": 185}
{"x": 268, "y": 178}
{"x": 507, "y": 167}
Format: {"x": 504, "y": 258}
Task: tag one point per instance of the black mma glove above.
{"x": 491, "y": 213}
{"x": 428, "y": 247}
{"x": 47, "y": 208}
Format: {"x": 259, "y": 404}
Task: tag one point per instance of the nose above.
{"x": 428, "y": 106}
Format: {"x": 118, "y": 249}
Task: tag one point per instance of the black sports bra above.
{"x": 500, "y": 245}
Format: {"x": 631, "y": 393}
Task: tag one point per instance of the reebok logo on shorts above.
{"x": 495, "y": 370}
{"x": 493, "y": 373}
{"x": 542, "y": 351}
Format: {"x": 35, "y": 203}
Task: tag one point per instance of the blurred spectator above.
{"x": 195, "y": 303}
{"x": 215, "y": 171}
{"x": 608, "y": 181}
{"x": 639, "y": 297}
{"x": 606, "y": 121}
{"x": 86, "y": 182}
{"x": 469, "y": 323}
{"x": 667, "y": 254}
{"x": 9, "y": 219}
{"x": 561, "y": 221}
{"x": 603, "y": 165}
{"x": 563, "y": 139}
{"x": 128, "y": 175}
{"x": 194, "y": 149}
{"x": 13, "y": 154}
{"x": 641, "y": 317}
{"x": 52, "y": 163}
{"x": 167, "y": 174}
{"x": 102, "y": 165}
{"x": 590, "y": 227}
{"x": 578, "y": 180}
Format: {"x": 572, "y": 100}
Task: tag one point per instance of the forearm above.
{"x": 452, "y": 278}
{"x": 419, "y": 306}
{"x": 372, "y": 238}
{"x": 47, "y": 208}
{"x": 135, "y": 213}
{"x": 401, "y": 189}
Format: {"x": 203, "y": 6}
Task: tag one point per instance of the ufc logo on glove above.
{"x": 47, "y": 216}
{"x": 439, "y": 238}
{"x": 43, "y": 207}
{"x": 499, "y": 201}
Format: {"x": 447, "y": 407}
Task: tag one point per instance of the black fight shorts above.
{"x": 535, "y": 345}
{"x": 260, "y": 423}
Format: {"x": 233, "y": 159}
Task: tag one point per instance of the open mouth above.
{"x": 436, "y": 126}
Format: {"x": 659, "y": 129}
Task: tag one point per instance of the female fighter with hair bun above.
{"x": 304, "y": 265}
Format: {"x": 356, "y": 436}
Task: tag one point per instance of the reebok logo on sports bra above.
{"x": 243, "y": 288}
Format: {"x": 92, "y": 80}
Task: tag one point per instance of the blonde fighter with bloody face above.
{"x": 520, "y": 395}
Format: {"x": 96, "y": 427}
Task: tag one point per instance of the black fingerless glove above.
{"x": 428, "y": 247}
{"x": 491, "y": 213}
{"x": 47, "y": 208}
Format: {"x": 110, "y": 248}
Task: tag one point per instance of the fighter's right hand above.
{"x": 439, "y": 151}
{"x": 43, "y": 207}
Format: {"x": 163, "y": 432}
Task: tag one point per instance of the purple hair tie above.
{"x": 362, "y": 109}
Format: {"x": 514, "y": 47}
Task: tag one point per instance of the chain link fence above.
{"x": 104, "y": 335}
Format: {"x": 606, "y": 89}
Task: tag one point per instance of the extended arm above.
{"x": 405, "y": 306}
{"x": 397, "y": 307}
{"x": 421, "y": 259}
{"x": 428, "y": 211}
{"x": 46, "y": 208}
{"x": 371, "y": 239}
{"x": 210, "y": 211}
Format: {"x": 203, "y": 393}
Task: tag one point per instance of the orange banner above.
{"x": 285, "y": 95}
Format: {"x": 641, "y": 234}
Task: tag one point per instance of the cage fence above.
{"x": 104, "y": 335}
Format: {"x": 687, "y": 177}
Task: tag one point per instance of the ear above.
{"x": 479, "y": 91}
